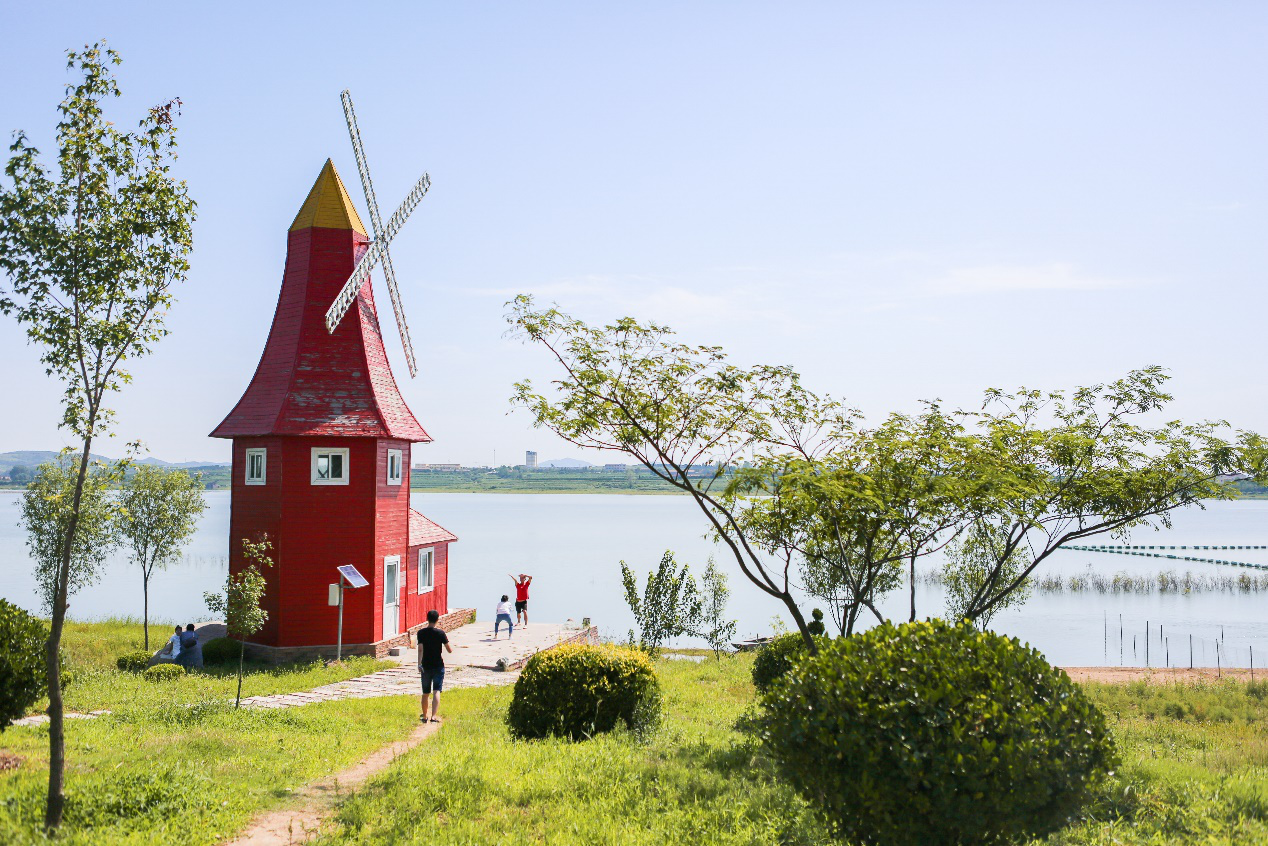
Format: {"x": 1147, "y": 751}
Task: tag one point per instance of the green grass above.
{"x": 160, "y": 773}
{"x": 174, "y": 762}
{"x": 1195, "y": 766}
{"x": 91, "y": 649}
{"x": 695, "y": 781}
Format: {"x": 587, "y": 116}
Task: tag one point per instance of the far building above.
{"x": 321, "y": 440}
{"x": 530, "y": 459}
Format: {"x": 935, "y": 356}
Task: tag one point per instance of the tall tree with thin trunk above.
{"x": 91, "y": 250}
{"x": 161, "y": 508}
{"x": 240, "y": 603}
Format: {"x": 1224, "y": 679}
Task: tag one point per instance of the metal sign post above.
{"x": 355, "y": 580}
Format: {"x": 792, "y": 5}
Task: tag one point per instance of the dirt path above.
{"x": 1159, "y": 675}
{"x": 317, "y": 801}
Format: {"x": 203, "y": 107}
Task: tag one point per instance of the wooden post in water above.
{"x": 1167, "y": 644}
{"x": 1120, "y": 640}
{"x": 1252, "y": 663}
{"x": 1190, "y": 650}
{"x": 1219, "y": 671}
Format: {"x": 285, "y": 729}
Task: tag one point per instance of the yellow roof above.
{"x": 328, "y": 205}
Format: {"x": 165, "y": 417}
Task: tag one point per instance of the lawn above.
{"x": 174, "y": 762}
{"x": 91, "y": 650}
{"x": 1195, "y": 771}
{"x": 695, "y": 781}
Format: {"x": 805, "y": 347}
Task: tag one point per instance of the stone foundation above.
{"x": 287, "y": 654}
{"x": 590, "y": 635}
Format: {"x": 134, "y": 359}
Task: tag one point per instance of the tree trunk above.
{"x": 242, "y": 648}
{"x": 52, "y": 664}
{"x": 911, "y": 577}
{"x": 145, "y": 606}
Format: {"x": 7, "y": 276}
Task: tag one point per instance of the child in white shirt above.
{"x": 504, "y": 616}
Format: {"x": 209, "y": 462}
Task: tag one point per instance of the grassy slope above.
{"x": 1195, "y": 766}
{"x": 696, "y": 781}
{"x": 160, "y": 771}
{"x": 1199, "y": 777}
{"x": 93, "y": 647}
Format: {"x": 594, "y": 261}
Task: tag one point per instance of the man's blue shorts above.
{"x": 433, "y": 679}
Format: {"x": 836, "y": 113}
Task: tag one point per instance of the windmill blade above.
{"x": 372, "y": 202}
{"x": 348, "y": 294}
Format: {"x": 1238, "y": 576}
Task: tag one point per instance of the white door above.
{"x": 391, "y": 595}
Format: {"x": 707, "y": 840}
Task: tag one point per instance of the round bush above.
{"x": 163, "y": 672}
{"x": 579, "y": 690}
{"x": 933, "y": 733}
{"x": 221, "y": 650}
{"x": 776, "y": 658}
{"x": 22, "y": 639}
{"x": 133, "y": 662}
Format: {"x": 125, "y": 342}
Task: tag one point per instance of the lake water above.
{"x": 573, "y": 545}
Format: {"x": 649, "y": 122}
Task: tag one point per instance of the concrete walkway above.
{"x": 474, "y": 646}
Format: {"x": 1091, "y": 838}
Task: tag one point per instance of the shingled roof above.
{"x": 310, "y": 382}
{"x": 423, "y": 532}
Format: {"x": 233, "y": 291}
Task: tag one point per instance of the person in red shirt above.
{"x": 521, "y": 598}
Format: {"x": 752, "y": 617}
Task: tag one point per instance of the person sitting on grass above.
{"x": 431, "y": 665}
{"x": 504, "y": 616}
{"x": 521, "y": 598}
{"x": 191, "y": 657}
{"x": 172, "y": 650}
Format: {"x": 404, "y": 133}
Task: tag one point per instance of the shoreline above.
{"x": 1163, "y": 675}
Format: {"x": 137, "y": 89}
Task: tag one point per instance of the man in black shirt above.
{"x": 431, "y": 664}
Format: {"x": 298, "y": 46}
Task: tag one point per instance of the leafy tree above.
{"x": 46, "y": 514}
{"x": 714, "y": 627}
{"x": 21, "y": 473}
{"x": 971, "y": 561}
{"x": 670, "y": 606}
{"x": 91, "y": 252}
{"x": 22, "y": 680}
{"x": 676, "y": 409}
{"x": 240, "y": 603}
{"x": 1063, "y": 467}
{"x": 160, "y": 513}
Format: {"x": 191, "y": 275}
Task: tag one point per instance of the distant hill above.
{"x": 565, "y": 462}
{"x": 34, "y": 458}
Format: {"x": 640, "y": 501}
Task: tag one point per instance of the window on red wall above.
{"x": 426, "y": 570}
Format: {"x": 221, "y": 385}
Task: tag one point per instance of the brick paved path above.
{"x": 398, "y": 681}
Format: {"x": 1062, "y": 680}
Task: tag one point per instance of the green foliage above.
{"x": 22, "y": 678}
{"x": 972, "y": 561}
{"x": 240, "y": 603}
{"x": 163, "y": 672}
{"x": 577, "y": 691}
{"x": 671, "y": 605}
{"x": 932, "y": 733}
{"x": 697, "y": 780}
{"x": 714, "y": 627}
{"x": 160, "y": 509}
{"x": 47, "y": 510}
{"x": 221, "y": 650}
{"x": 134, "y": 662}
{"x": 776, "y": 658}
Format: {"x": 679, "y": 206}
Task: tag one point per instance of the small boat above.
{"x": 750, "y": 645}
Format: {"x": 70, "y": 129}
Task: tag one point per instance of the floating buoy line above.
{"x": 1144, "y": 551}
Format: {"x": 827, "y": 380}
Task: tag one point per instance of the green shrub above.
{"x": 22, "y": 678}
{"x": 776, "y": 658}
{"x": 221, "y": 650}
{"x": 1174, "y": 710}
{"x": 163, "y": 672}
{"x": 579, "y": 690}
{"x": 933, "y": 733}
{"x": 133, "y": 662}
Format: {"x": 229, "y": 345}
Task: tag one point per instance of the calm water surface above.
{"x": 573, "y": 545}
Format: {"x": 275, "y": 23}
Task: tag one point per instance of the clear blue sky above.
{"x": 902, "y": 200}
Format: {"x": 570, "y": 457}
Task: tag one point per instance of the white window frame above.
{"x": 427, "y": 554}
{"x": 399, "y": 457}
{"x": 263, "y": 454}
{"x": 329, "y": 451}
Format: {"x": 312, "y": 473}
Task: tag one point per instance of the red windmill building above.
{"x": 321, "y": 447}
